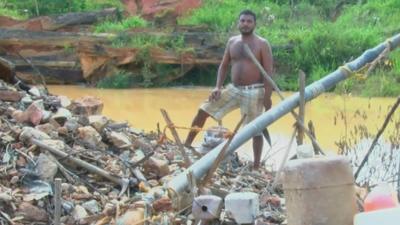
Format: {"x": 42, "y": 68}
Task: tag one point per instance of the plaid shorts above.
{"x": 250, "y": 100}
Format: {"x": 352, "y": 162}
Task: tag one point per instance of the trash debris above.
{"x": 110, "y": 173}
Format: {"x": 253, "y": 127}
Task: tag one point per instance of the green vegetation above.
{"x": 11, "y": 13}
{"x": 145, "y": 41}
{"x": 120, "y": 80}
{"x": 314, "y": 36}
{"x": 28, "y": 8}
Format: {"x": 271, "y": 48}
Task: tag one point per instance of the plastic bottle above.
{"x": 381, "y": 197}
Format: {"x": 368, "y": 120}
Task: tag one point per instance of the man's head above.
{"x": 247, "y": 22}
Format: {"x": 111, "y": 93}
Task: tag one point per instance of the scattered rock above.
{"x": 89, "y": 135}
{"x": 61, "y": 116}
{"x": 29, "y": 132}
{"x": 65, "y": 102}
{"x": 46, "y": 128}
{"x": 46, "y": 168}
{"x": 98, "y": 122}
{"x": 79, "y": 213}
{"x": 162, "y": 205}
{"x": 87, "y": 106}
{"x": 132, "y": 217}
{"x": 34, "y": 113}
{"x": 158, "y": 166}
{"x": 10, "y": 96}
{"x": 32, "y": 213}
{"x": 92, "y": 206}
{"x": 119, "y": 140}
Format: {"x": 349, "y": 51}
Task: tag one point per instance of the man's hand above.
{"x": 267, "y": 103}
{"x": 215, "y": 94}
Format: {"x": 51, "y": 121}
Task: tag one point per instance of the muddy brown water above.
{"x": 141, "y": 108}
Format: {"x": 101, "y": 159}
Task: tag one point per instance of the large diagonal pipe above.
{"x": 179, "y": 183}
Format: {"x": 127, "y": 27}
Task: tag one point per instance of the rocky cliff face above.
{"x": 153, "y": 8}
{"x": 63, "y": 50}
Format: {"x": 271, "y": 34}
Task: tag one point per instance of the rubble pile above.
{"x": 110, "y": 173}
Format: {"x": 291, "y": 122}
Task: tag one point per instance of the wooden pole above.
{"x": 79, "y": 162}
{"x": 221, "y": 155}
{"x": 276, "y": 88}
{"x": 57, "y": 201}
{"x": 176, "y": 137}
{"x": 302, "y": 104}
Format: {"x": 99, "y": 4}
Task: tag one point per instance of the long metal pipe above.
{"x": 179, "y": 183}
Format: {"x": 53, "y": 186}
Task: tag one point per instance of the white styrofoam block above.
{"x": 206, "y": 207}
{"x": 243, "y": 207}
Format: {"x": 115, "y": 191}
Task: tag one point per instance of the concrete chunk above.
{"x": 242, "y": 207}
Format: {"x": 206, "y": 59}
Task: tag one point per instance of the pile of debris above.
{"x": 57, "y": 151}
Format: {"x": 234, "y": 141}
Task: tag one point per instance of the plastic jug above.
{"x": 389, "y": 216}
{"x": 381, "y": 197}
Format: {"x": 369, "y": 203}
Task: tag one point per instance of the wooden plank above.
{"x": 302, "y": 105}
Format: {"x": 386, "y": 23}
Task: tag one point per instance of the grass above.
{"x": 318, "y": 43}
{"x": 119, "y": 26}
{"x": 12, "y": 13}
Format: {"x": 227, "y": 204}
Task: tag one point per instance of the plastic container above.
{"x": 389, "y": 216}
{"x": 319, "y": 191}
{"x": 381, "y": 197}
{"x": 207, "y": 207}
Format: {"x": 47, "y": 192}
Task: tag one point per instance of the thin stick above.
{"x": 57, "y": 201}
{"x": 176, "y": 137}
{"x": 79, "y": 162}
{"x": 285, "y": 157}
{"x": 302, "y": 103}
{"x": 26, "y": 156}
{"x": 192, "y": 183}
{"x": 276, "y": 88}
{"x": 312, "y": 131}
{"x": 6, "y": 217}
{"x": 221, "y": 154}
{"x": 63, "y": 170}
{"x": 375, "y": 141}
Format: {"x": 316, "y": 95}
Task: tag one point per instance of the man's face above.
{"x": 246, "y": 24}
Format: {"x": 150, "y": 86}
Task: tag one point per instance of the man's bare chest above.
{"x": 237, "y": 51}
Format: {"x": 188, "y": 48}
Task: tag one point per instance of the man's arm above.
{"x": 222, "y": 72}
{"x": 267, "y": 63}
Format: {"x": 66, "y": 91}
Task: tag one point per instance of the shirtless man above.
{"x": 249, "y": 90}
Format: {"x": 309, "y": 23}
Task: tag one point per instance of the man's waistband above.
{"x": 249, "y": 87}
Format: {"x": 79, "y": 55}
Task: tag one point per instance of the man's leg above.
{"x": 198, "y": 121}
{"x": 257, "y": 149}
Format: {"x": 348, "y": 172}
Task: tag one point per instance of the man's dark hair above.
{"x": 248, "y": 12}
